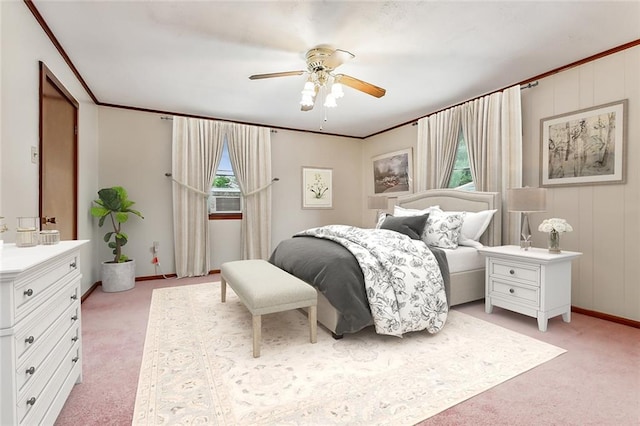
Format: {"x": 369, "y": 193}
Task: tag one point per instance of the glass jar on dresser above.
{"x": 40, "y": 332}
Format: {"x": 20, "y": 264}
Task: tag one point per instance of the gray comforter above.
{"x": 407, "y": 294}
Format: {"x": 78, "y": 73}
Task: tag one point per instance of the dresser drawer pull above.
{"x": 74, "y": 318}
{"x": 73, "y": 265}
{"x": 31, "y": 370}
{"x": 31, "y": 401}
{"x": 74, "y": 339}
{"x": 511, "y": 271}
{"x": 74, "y": 360}
{"x": 74, "y": 297}
{"x": 29, "y": 339}
{"x": 511, "y": 291}
{"x": 28, "y": 292}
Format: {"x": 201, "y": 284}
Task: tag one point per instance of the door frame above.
{"x": 47, "y": 76}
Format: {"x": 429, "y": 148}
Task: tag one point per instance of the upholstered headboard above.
{"x": 459, "y": 200}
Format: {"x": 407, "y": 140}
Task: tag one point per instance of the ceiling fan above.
{"x": 321, "y": 63}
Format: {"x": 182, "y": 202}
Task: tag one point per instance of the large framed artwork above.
{"x": 392, "y": 173}
{"x": 584, "y": 147}
{"x": 317, "y": 188}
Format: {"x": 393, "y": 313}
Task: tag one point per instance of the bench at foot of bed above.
{"x": 265, "y": 289}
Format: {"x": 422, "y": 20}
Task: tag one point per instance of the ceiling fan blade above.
{"x": 275, "y": 74}
{"x": 337, "y": 58}
{"x": 360, "y": 85}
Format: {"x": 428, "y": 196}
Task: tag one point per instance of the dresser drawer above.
{"x": 523, "y": 294}
{"x": 32, "y": 290}
{"x": 63, "y": 334}
{"x": 30, "y": 334}
{"x": 34, "y": 403}
{"x": 518, "y": 271}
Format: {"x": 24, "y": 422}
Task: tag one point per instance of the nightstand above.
{"x": 532, "y": 282}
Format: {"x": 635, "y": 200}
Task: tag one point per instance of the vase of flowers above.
{"x": 554, "y": 227}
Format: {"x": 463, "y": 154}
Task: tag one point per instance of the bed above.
{"x": 464, "y": 266}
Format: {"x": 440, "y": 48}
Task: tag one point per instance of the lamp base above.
{"x": 525, "y": 244}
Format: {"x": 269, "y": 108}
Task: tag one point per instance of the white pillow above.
{"x": 473, "y": 226}
{"x": 401, "y": 211}
{"x": 443, "y": 229}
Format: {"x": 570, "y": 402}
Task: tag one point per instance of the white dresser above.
{"x": 40, "y": 336}
{"x": 532, "y": 282}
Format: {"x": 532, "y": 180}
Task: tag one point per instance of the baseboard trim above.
{"x": 607, "y": 317}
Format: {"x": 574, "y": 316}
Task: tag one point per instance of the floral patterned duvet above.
{"x": 403, "y": 281}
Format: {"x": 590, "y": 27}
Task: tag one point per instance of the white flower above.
{"x": 555, "y": 224}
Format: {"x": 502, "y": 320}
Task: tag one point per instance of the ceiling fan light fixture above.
{"x": 309, "y": 89}
{"x": 330, "y": 101}
{"x": 307, "y": 100}
{"x": 336, "y": 90}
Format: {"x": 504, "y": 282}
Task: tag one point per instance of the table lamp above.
{"x": 526, "y": 200}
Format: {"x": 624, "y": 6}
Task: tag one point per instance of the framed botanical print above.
{"x": 317, "y": 188}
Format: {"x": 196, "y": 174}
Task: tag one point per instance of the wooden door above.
{"x": 58, "y": 157}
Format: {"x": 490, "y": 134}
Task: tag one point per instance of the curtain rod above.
{"x": 165, "y": 117}
{"x": 525, "y": 86}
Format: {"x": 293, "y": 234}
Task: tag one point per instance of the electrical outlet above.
{"x": 156, "y": 246}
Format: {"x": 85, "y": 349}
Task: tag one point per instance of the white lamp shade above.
{"x": 330, "y": 101}
{"x": 527, "y": 199}
{"x": 336, "y": 90}
{"x": 377, "y": 202}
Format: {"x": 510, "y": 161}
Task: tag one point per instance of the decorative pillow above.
{"x": 473, "y": 226}
{"x": 411, "y": 226}
{"x": 381, "y": 217}
{"x": 402, "y": 212}
{"x": 443, "y": 229}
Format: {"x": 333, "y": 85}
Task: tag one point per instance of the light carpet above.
{"x": 198, "y": 368}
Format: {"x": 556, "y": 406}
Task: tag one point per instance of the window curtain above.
{"x": 250, "y": 154}
{"x": 196, "y": 150}
{"x": 436, "y": 148}
{"x": 492, "y": 128}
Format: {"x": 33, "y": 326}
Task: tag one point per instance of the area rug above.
{"x": 198, "y": 367}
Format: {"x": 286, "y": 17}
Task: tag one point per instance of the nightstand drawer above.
{"x": 516, "y": 293}
{"x": 512, "y": 270}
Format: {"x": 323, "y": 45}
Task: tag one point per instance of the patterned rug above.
{"x": 198, "y": 367}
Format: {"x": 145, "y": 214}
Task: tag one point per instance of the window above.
{"x": 225, "y": 201}
{"x": 461, "y": 175}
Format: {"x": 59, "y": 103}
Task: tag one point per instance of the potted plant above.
{"x": 113, "y": 203}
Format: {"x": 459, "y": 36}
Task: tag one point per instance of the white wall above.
{"x": 394, "y": 140}
{"x": 605, "y": 218}
{"x": 291, "y": 151}
{"x": 23, "y": 45}
{"x": 135, "y": 152}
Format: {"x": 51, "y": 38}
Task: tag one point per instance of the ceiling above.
{"x": 194, "y": 58}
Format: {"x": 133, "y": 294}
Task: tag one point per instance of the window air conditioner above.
{"x": 225, "y": 203}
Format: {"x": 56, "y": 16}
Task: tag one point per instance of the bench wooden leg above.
{"x": 257, "y": 335}
{"x": 223, "y": 289}
{"x": 313, "y": 323}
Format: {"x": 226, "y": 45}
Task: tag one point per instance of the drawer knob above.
{"x": 74, "y": 360}
{"x": 72, "y": 264}
{"x": 29, "y": 339}
{"x": 74, "y": 318}
{"x": 31, "y": 370}
{"x": 74, "y": 339}
{"x": 511, "y": 271}
{"x": 28, "y": 292}
{"x": 74, "y": 297}
{"x": 511, "y": 291}
{"x": 31, "y": 401}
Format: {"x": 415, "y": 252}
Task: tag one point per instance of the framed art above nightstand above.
{"x": 532, "y": 282}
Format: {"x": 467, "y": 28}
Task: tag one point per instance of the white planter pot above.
{"x": 118, "y": 276}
